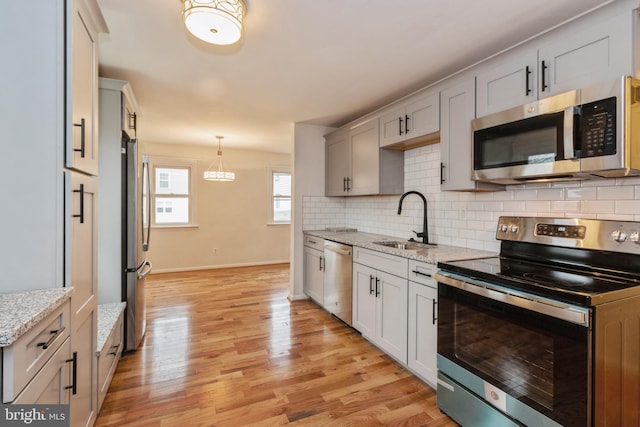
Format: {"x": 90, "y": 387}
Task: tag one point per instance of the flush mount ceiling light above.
{"x": 218, "y": 174}
{"x": 214, "y": 21}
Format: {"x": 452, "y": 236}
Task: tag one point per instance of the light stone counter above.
{"x": 20, "y": 311}
{"x": 107, "y": 316}
{"x": 431, "y": 255}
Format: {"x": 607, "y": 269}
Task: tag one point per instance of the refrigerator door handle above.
{"x": 146, "y": 192}
{"x": 146, "y": 270}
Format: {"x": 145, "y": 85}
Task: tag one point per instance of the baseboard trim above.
{"x": 215, "y": 267}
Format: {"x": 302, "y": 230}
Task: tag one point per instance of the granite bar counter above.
{"x": 431, "y": 254}
{"x": 20, "y": 311}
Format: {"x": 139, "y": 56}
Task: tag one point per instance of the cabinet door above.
{"x": 579, "y": 58}
{"x": 50, "y": 385}
{"x": 423, "y": 114}
{"x": 82, "y": 208}
{"x": 457, "y": 111}
{"x": 336, "y": 165}
{"x": 392, "y": 126}
{"x": 82, "y": 144}
{"x": 392, "y": 315}
{"x": 509, "y": 84}
{"x": 314, "y": 274}
{"x": 364, "y": 300}
{"x": 422, "y": 344}
{"x": 365, "y": 159}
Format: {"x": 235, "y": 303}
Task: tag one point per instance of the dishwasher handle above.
{"x": 338, "y": 248}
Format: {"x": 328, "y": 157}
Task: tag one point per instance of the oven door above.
{"x": 527, "y": 356}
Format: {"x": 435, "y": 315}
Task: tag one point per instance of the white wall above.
{"x": 232, "y": 217}
{"x": 469, "y": 219}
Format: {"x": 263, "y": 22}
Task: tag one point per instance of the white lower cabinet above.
{"x": 423, "y": 317}
{"x": 380, "y": 302}
{"x": 314, "y": 268}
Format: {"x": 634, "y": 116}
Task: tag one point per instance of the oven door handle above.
{"x": 573, "y": 314}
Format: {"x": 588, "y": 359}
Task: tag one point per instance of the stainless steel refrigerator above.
{"x": 136, "y": 231}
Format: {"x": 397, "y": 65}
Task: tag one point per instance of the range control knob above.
{"x": 503, "y": 228}
{"x": 619, "y": 236}
{"x": 513, "y": 228}
{"x": 635, "y": 237}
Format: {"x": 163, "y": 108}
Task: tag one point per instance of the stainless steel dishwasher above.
{"x": 337, "y": 280}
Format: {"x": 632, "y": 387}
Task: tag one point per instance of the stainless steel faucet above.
{"x": 425, "y": 232}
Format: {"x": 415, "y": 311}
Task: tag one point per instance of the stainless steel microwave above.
{"x": 585, "y": 133}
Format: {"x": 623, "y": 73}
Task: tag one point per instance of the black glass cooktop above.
{"x": 581, "y": 285}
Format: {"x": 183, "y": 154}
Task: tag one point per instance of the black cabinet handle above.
{"x": 82, "y": 137}
{"x": 54, "y": 335}
{"x": 420, "y": 273}
{"x": 527, "y": 81}
{"x": 406, "y": 123}
{"x": 377, "y": 287}
{"x": 114, "y": 352}
{"x": 348, "y": 183}
{"x": 442, "y": 173}
{"x": 370, "y": 284}
{"x": 74, "y": 373}
{"x": 544, "y": 73}
{"x": 81, "y": 214}
{"x": 321, "y": 263}
{"x": 400, "y": 125}
{"x": 434, "y": 318}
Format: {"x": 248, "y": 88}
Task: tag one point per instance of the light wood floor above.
{"x": 226, "y": 348}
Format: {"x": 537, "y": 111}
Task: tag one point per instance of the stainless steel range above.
{"x": 548, "y": 332}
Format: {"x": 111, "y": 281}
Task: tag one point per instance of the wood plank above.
{"x": 227, "y": 348}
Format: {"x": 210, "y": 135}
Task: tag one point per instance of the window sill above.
{"x": 174, "y": 226}
{"x": 269, "y": 224}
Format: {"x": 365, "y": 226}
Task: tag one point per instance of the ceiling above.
{"x": 322, "y": 62}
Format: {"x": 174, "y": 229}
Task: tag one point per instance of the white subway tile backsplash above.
{"x": 469, "y": 219}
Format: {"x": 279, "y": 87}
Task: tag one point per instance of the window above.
{"x": 172, "y": 192}
{"x": 280, "y": 197}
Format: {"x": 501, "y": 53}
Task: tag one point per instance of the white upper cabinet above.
{"x": 82, "y": 140}
{"x": 406, "y": 123}
{"x": 597, "y": 47}
{"x": 357, "y": 166}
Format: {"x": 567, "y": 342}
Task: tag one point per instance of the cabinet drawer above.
{"x": 314, "y": 242}
{"x": 423, "y": 273}
{"x": 380, "y": 261}
{"x": 49, "y": 386}
{"x": 24, "y": 358}
{"x": 108, "y": 360}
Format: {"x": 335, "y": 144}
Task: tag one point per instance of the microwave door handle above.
{"x": 568, "y": 143}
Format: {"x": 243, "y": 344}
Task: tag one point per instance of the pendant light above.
{"x": 219, "y": 174}
{"x": 214, "y": 21}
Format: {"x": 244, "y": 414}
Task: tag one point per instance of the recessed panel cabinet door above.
{"x": 364, "y": 300}
{"x": 337, "y": 165}
{"x": 392, "y": 315}
{"x": 365, "y": 159}
{"x": 82, "y": 264}
{"x": 82, "y": 140}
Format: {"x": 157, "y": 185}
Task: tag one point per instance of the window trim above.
{"x": 174, "y": 163}
{"x": 272, "y": 171}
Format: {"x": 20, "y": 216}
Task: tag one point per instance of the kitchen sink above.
{"x": 404, "y": 245}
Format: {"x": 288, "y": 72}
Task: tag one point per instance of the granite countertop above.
{"x": 21, "y": 311}
{"x": 431, "y": 255}
{"x": 107, "y": 316}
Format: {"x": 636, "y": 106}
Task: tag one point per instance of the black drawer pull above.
{"x": 434, "y": 318}
{"x": 82, "y": 137}
{"x": 74, "y": 373}
{"x": 114, "y": 352}
{"x": 81, "y": 214}
{"x": 420, "y": 273}
{"x": 54, "y": 335}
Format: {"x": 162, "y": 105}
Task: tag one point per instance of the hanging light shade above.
{"x": 214, "y": 21}
{"x": 218, "y": 174}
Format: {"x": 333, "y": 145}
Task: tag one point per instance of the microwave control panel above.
{"x": 598, "y": 133}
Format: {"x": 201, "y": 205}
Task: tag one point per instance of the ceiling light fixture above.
{"x": 214, "y": 21}
{"x": 218, "y": 174}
